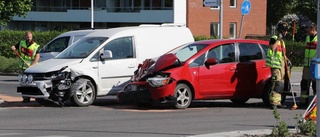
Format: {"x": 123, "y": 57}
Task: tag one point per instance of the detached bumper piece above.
{"x": 141, "y": 95}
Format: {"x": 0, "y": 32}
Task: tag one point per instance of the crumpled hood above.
{"x": 150, "y": 66}
{"x": 51, "y": 65}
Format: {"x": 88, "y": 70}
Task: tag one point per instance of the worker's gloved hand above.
{"x": 280, "y": 36}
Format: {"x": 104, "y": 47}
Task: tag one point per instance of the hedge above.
{"x": 9, "y": 38}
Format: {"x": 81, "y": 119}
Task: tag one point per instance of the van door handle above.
{"x": 131, "y": 66}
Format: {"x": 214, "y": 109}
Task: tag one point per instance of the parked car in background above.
{"x": 61, "y": 42}
{"x": 232, "y": 69}
{"x": 100, "y": 63}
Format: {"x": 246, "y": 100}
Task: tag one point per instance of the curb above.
{"x": 246, "y": 133}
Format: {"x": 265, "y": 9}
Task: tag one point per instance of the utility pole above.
{"x": 92, "y": 23}
{"x": 221, "y": 19}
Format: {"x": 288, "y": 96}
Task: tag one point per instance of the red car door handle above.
{"x": 232, "y": 69}
{"x": 264, "y": 66}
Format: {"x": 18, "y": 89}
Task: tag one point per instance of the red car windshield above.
{"x": 183, "y": 53}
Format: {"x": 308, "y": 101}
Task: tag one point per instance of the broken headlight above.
{"x": 158, "y": 81}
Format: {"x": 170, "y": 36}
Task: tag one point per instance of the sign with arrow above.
{"x": 245, "y": 7}
{"x": 210, "y": 3}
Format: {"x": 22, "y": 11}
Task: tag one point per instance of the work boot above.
{"x": 277, "y": 106}
{"x": 25, "y": 100}
{"x": 281, "y": 106}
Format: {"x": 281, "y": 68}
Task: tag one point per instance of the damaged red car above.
{"x": 232, "y": 69}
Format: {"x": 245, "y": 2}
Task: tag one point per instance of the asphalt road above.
{"x": 107, "y": 118}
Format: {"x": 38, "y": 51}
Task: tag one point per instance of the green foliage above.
{"x": 9, "y": 38}
{"x": 281, "y": 130}
{"x": 198, "y": 38}
{"x": 276, "y": 9}
{"x": 306, "y": 127}
{"x": 9, "y": 65}
{"x": 10, "y": 8}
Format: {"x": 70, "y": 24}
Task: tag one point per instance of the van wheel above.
{"x": 183, "y": 95}
{"x": 83, "y": 93}
{"x": 266, "y": 92}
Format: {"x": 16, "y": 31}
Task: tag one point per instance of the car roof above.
{"x": 131, "y": 30}
{"x": 80, "y": 32}
{"x": 217, "y": 41}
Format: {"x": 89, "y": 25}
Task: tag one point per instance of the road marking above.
{"x": 10, "y": 134}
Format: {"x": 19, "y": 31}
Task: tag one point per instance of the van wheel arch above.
{"x": 82, "y": 92}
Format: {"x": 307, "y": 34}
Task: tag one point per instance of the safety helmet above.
{"x": 282, "y": 26}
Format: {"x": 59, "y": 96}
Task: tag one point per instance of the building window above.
{"x": 233, "y": 30}
{"x": 233, "y": 3}
{"x": 214, "y": 29}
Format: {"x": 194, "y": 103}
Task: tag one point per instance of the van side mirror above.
{"x": 107, "y": 54}
{"x": 210, "y": 61}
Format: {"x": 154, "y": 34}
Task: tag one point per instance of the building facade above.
{"x": 202, "y": 21}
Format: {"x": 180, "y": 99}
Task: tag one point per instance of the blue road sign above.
{"x": 245, "y": 7}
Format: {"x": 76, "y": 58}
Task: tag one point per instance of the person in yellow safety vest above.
{"x": 29, "y": 54}
{"x": 309, "y": 53}
{"x": 276, "y": 55}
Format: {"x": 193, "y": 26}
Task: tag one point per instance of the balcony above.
{"x": 83, "y": 14}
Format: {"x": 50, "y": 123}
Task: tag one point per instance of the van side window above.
{"x": 249, "y": 51}
{"x": 56, "y": 45}
{"x": 121, "y": 48}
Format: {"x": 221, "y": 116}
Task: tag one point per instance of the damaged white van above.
{"x": 100, "y": 63}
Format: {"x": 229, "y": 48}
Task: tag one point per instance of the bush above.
{"x": 9, "y": 65}
{"x": 9, "y": 38}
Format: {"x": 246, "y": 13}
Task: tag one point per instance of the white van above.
{"x": 101, "y": 63}
{"x": 61, "y": 42}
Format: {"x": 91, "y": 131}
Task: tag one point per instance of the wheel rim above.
{"x": 183, "y": 97}
{"x": 85, "y": 93}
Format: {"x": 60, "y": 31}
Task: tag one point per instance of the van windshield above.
{"x": 82, "y": 48}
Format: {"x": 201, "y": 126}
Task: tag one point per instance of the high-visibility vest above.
{"x": 310, "y": 51}
{"x": 274, "y": 59}
{"x": 27, "y": 53}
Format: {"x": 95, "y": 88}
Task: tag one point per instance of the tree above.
{"x": 276, "y": 9}
{"x": 11, "y": 8}
{"x": 307, "y": 8}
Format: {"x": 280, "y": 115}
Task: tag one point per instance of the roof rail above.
{"x": 163, "y": 25}
{"x": 173, "y": 24}
{"x": 149, "y": 25}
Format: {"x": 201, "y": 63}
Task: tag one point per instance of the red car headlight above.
{"x": 158, "y": 81}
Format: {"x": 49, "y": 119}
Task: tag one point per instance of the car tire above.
{"x": 266, "y": 92}
{"x": 183, "y": 96}
{"x": 239, "y": 101}
{"x": 83, "y": 93}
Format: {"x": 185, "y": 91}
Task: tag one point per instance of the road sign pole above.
{"x": 221, "y": 19}
{"x": 242, "y": 18}
{"x": 245, "y": 9}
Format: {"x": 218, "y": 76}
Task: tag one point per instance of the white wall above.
{"x": 180, "y": 11}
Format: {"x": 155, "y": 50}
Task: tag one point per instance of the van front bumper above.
{"x": 36, "y": 89}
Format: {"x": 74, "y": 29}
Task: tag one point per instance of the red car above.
{"x": 232, "y": 69}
